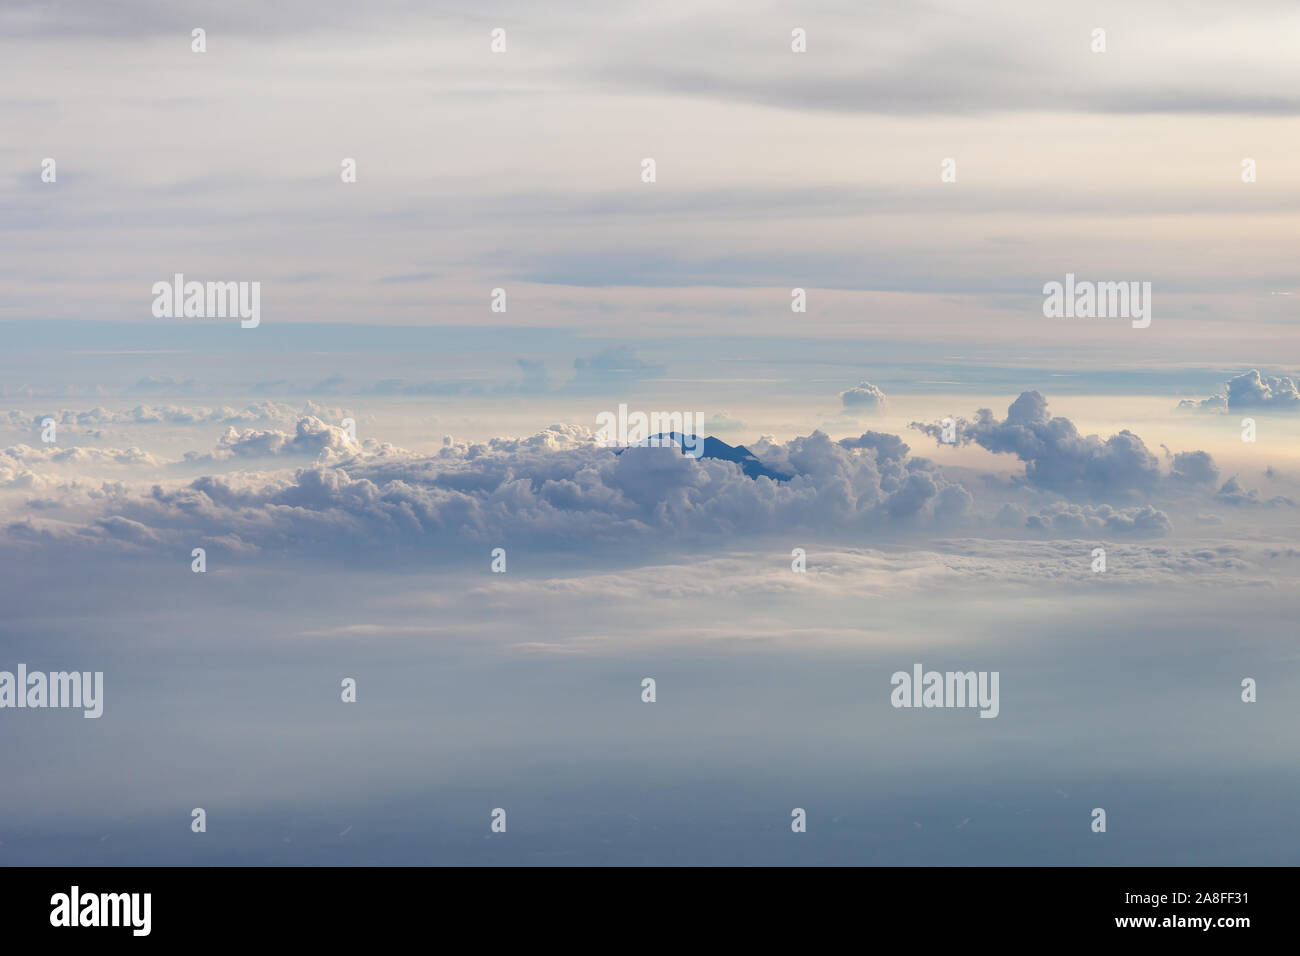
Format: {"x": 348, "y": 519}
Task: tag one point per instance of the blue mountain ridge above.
{"x": 713, "y": 448}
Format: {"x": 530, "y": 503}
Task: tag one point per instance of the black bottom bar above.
{"x": 375, "y": 905}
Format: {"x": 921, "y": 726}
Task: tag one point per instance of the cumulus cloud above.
{"x": 124, "y": 529}
{"x": 1251, "y": 391}
{"x": 311, "y": 437}
{"x": 1232, "y": 493}
{"x": 1194, "y": 467}
{"x": 862, "y": 396}
{"x": 557, "y": 487}
{"x": 886, "y": 446}
{"x": 551, "y": 438}
{"x": 1056, "y": 456}
{"x": 1215, "y": 403}
{"x": 1076, "y": 519}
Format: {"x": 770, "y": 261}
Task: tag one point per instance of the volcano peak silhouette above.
{"x": 714, "y": 448}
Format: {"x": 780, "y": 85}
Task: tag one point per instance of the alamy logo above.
{"x": 56, "y": 689}
{"x": 103, "y": 909}
{"x": 1098, "y": 300}
{"x": 208, "y": 300}
{"x": 655, "y": 430}
{"x": 950, "y": 689}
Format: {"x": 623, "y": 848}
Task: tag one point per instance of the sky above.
{"x": 438, "y": 340}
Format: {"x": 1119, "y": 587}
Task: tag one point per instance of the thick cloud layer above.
{"x": 1077, "y": 519}
{"x": 557, "y": 489}
{"x": 256, "y": 413}
{"x": 313, "y": 487}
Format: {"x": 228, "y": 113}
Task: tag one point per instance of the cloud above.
{"x": 76, "y": 455}
{"x": 722, "y": 422}
{"x": 839, "y": 576}
{"x": 613, "y": 367}
{"x": 256, "y": 413}
{"x": 556, "y": 489}
{"x": 398, "y": 386}
{"x": 1251, "y": 391}
{"x": 535, "y": 379}
{"x": 124, "y": 529}
{"x": 332, "y": 384}
{"x": 1215, "y": 403}
{"x": 864, "y": 395}
{"x": 311, "y": 437}
{"x": 1194, "y": 467}
{"x": 887, "y": 447}
{"x": 1056, "y": 456}
{"x": 1232, "y": 493}
{"x": 946, "y": 59}
{"x": 162, "y": 383}
{"x": 943, "y": 58}
{"x": 912, "y": 495}
{"x": 1076, "y": 519}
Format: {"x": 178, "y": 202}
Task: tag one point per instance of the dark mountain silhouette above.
{"x": 713, "y": 448}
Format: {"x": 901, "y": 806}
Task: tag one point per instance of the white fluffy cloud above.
{"x": 1251, "y": 391}
{"x": 1056, "y": 456}
{"x": 556, "y": 487}
{"x": 862, "y": 396}
{"x": 312, "y": 487}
